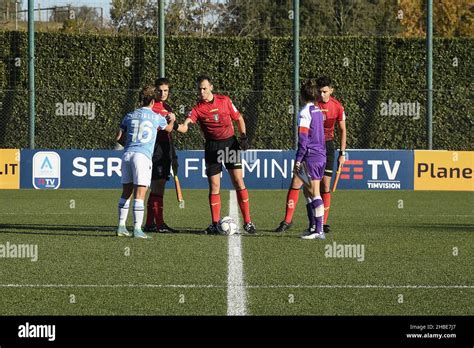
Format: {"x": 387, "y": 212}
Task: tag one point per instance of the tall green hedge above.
{"x": 257, "y": 74}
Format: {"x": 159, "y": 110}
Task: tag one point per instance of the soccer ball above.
{"x": 227, "y": 226}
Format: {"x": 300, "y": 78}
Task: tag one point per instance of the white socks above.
{"x": 138, "y": 212}
{"x": 123, "y": 206}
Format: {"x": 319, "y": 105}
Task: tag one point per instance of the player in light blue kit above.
{"x": 311, "y": 158}
{"x": 138, "y": 134}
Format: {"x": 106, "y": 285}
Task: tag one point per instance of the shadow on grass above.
{"x": 185, "y": 230}
{"x": 77, "y": 230}
{"x": 260, "y": 233}
{"x": 109, "y": 231}
{"x": 271, "y": 233}
{"x": 59, "y": 230}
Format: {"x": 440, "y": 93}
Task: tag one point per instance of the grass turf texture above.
{"x": 408, "y": 239}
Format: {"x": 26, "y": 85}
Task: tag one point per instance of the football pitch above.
{"x": 389, "y": 253}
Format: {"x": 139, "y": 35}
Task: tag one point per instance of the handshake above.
{"x": 171, "y": 117}
{"x": 183, "y": 128}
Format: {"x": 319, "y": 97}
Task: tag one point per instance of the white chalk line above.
{"x": 236, "y": 294}
{"x": 240, "y": 285}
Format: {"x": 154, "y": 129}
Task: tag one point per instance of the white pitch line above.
{"x": 187, "y": 286}
{"x": 362, "y": 286}
{"x": 236, "y": 294}
{"x": 244, "y": 286}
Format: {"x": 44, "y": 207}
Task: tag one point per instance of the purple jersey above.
{"x": 311, "y": 142}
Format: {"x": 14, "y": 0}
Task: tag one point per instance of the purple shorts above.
{"x": 315, "y": 169}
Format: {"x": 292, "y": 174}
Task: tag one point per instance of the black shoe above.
{"x": 212, "y": 229}
{"x": 326, "y": 228}
{"x": 249, "y": 227}
{"x": 164, "y": 228}
{"x": 150, "y": 228}
{"x": 284, "y": 226}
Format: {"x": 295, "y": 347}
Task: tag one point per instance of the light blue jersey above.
{"x": 141, "y": 127}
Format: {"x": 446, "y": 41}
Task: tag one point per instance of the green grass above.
{"x": 408, "y": 239}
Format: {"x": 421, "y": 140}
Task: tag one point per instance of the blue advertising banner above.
{"x": 262, "y": 169}
{"x": 52, "y": 169}
{"x": 377, "y": 170}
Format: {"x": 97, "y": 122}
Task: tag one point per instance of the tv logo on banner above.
{"x": 377, "y": 170}
{"x": 354, "y": 169}
{"x": 46, "y": 170}
{"x": 390, "y": 171}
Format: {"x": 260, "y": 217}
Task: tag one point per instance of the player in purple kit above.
{"x": 311, "y": 158}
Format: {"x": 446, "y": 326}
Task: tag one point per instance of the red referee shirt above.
{"x": 215, "y": 117}
{"x": 333, "y": 111}
{"x": 163, "y": 109}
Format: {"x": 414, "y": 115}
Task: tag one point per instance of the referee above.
{"x": 214, "y": 113}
